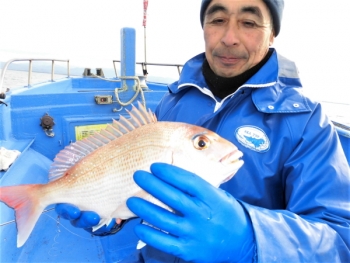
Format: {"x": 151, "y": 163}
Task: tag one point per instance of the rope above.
{"x": 138, "y": 90}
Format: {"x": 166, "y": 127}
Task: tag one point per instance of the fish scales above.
{"x": 120, "y": 158}
{"x": 100, "y": 178}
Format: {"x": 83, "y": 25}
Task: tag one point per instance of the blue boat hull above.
{"x": 71, "y": 103}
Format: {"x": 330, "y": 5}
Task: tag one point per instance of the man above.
{"x": 290, "y": 200}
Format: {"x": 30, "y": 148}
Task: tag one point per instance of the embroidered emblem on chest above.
{"x": 253, "y": 138}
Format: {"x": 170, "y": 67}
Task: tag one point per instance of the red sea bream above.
{"x": 96, "y": 173}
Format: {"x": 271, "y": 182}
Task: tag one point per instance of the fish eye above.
{"x": 201, "y": 142}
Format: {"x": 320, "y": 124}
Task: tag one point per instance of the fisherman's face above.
{"x": 237, "y": 35}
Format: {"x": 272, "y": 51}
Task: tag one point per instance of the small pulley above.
{"x": 2, "y": 97}
{"x": 47, "y": 124}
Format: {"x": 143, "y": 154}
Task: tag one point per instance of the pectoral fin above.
{"x": 103, "y": 222}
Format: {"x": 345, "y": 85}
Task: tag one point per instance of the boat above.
{"x": 39, "y": 120}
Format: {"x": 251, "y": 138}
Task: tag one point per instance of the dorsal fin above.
{"x": 74, "y": 152}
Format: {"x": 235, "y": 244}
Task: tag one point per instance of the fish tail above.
{"x": 25, "y": 200}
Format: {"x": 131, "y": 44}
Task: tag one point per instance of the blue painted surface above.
{"x": 127, "y": 55}
{"x": 55, "y": 240}
{"x": 71, "y": 103}
{"x": 5, "y": 120}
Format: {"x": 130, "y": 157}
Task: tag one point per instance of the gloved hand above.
{"x": 209, "y": 224}
{"x": 86, "y": 219}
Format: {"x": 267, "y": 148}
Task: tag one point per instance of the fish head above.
{"x": 208, "y": 155}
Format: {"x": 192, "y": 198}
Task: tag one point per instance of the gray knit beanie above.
{"x": 275, "y": 6}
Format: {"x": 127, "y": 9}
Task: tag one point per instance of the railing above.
{"x": 30, "y": 60}
{"x": 3, "y": 91}
{"x": 144, "y": 64}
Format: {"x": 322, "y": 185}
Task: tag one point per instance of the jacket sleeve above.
{"x": 315, "y": 226}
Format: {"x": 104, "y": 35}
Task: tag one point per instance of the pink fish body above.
{"x": 96, "y": 174}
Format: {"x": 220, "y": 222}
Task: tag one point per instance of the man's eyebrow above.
{"x": 216, "y": 8}
{"x": 252, "y": 10}
{"x": 246, "y": 9}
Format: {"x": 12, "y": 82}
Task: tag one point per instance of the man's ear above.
{"x": 272, "y": 38}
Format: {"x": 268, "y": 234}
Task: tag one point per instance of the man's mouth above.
{"x": 228, "y": 60}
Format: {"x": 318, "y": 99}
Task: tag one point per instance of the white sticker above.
{"x": 253, "y": 138}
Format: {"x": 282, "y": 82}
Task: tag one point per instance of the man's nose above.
{"x": 231, "y": 35}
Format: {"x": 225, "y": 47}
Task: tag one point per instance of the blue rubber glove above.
{"x": 209, "y": 224}
{"x": 85, "y": 219}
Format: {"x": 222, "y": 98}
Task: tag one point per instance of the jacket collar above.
{"x": 276, "y": 86}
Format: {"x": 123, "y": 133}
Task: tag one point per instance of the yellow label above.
{"x": 82, "y": 132}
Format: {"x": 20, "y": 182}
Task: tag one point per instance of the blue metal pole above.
{"x": 128, "y": 57}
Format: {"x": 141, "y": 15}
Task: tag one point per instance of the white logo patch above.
{"x": 253, "y": 138}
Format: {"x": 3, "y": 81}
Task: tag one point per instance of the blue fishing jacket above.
{"x": 295, "y": 181}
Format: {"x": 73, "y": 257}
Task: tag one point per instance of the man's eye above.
{"x": 248, "y": 24}
{"x": 217, "y": 21}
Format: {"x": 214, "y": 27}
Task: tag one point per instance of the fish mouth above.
{"x": 232, "y": 159}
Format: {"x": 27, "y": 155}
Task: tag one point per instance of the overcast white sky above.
{"x": 315, "y": 34}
